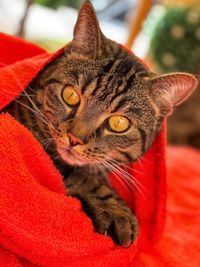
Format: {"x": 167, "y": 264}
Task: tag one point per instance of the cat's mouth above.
{"x": 70, "y": 156}
{"x": 73, "y": 155}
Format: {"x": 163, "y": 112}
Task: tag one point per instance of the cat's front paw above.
{"x": 120, "y": 224}
{"x": 114, "y": 219}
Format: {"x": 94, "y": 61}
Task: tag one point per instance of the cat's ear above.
{"x": 170, "y": 90}
{"x": 87, "y": 34}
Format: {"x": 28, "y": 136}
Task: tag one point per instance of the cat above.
{"x": 97, "y": 106}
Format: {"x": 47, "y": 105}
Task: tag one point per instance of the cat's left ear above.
{"x": 170, "y": 90}
{"x": 87, "y": 33}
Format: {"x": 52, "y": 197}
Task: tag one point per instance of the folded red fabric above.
{"x": 39, "y": 224}
{"x": 179, "y": 245}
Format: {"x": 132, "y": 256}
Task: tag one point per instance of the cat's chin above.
{"x": 71, "y": 157}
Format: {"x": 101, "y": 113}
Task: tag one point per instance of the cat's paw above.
{"x": 120, "y": 224}
{"x": 116, "y": 220}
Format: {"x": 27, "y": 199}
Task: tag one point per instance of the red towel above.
{"x": 41, "y": 226}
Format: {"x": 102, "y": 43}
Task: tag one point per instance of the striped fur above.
{"x": 112, "y": 84}
{"x": 110, "y": 81}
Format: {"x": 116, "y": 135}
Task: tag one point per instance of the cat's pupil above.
{"x": 70, "y": 96}
{"x": 118, "y": 123}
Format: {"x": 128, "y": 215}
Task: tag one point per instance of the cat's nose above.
{"x": 74, "y": 141}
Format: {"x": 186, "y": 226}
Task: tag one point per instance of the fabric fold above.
{"x": 39, "y": 223}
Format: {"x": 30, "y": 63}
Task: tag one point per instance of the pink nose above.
{"x": 74, "y": 140}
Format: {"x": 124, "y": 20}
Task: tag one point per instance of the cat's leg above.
{"x": 109, "y": 213}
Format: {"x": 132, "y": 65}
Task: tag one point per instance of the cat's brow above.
{"x": 52, "y": 80}
{"x": 122, "y": 103}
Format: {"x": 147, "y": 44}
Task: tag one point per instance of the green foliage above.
{"x": 56, "y": 3}
{"x": 175, "y": 45}
{"x": 50, "y": 45}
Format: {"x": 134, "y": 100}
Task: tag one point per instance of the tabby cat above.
{"x": 98, "y": 105}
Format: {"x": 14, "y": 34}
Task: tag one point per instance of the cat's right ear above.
{"x": 170, "y": 90}
{"x": 87, "y": 34}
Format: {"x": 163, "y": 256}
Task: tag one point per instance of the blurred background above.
{"x": 164, "y": 33}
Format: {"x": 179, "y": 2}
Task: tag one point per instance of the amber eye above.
{"x": 70, "y": 95}
{"x": 118, "y": 123}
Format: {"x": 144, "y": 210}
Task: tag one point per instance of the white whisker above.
{"x": 118, "y": 177}
{"x": 126, "y": 177}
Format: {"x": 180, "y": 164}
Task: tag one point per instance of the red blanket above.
{"x": 41, "y": 226}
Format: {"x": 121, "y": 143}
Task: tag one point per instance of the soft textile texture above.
{"x": 41, "y": 226}
{"x": 179, "y": 245}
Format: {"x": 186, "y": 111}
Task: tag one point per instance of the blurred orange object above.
{"x": 137, "y": 20}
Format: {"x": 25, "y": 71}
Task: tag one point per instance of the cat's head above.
{"x": 102, "y": 101}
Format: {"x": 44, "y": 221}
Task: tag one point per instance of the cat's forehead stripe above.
{"x": 96, "y": 84}
{"x": 120, "y": 103}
